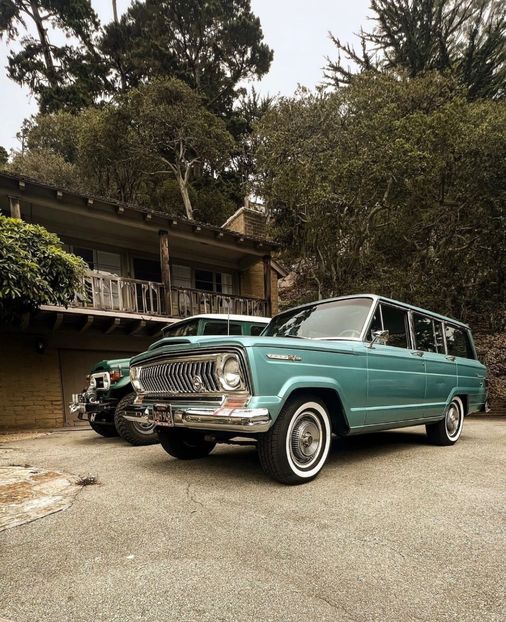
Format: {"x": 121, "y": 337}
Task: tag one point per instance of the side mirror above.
{"x": 379, "y": 336}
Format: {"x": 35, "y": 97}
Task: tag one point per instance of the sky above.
{"x": 297, "y": 31}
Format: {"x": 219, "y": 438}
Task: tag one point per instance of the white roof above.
{"x": 226, "y": 316}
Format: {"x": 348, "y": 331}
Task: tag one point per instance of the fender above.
{"x": 122, "y": 384}
{"x": 315, "y": 382}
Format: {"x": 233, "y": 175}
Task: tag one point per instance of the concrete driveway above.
{"x": 393, "y": 529}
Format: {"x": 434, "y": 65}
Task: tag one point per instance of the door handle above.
{"x": 416, "y": 353}
{"x": 450, "y": 357}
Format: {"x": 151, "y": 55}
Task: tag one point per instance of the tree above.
{"x": 212, "y": 45}
{"x": 67, "y": 76}
{"x": 4, "y": 156}
{"x": 392, "y": 186}
{"x": 466, "y": 39}
{"x": 109, "y": 157}
{"x": 55, "y": 132}
{"x": 176, "y": 132}
{"x": 47, "y": 166}
{"x": 34, "y": 270}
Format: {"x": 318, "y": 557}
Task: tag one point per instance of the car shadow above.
{"x": 96, "y": 440}
{"x": 358, "y": 448}
{"x": 241, "y": 462}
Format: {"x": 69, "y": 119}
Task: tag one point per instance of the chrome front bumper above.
{"x": 85, "y": 408}
{"x": 224, "y": 417}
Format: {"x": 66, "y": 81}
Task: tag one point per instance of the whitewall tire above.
{"x": 295, "y": 449}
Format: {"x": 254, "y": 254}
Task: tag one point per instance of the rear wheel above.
{"x": 448, "y": 430}
{"x": 185, "y": 444}
{"x": 104, "y": 429}
{"x": 295, "y": 449}
{"x": 132, "y": 432}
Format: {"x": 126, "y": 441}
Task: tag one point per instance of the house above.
{"x": 146, "y": 269}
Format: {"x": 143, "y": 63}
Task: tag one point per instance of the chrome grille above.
{"x": 180, "y": 376}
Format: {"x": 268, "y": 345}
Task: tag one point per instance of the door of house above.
{"x": 75, "y": 365}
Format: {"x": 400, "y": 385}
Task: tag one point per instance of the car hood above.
{"x": 172, "y": 345}
{"x": 109, "y": 364}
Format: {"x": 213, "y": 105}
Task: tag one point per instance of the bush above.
{"x": 34, "y": 270}
{"x": 492, "y": 352}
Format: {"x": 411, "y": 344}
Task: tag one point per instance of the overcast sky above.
{"x": 295, "y": 29}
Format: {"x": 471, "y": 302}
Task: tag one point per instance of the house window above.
{"x": 224, "y": 282}
{"x": 204, "y": 280}
{"x": 147, "y": 270}
{"x": 99, "y": 261}
{"x": 210, "y": 281}
{"x": 181, "y": 276}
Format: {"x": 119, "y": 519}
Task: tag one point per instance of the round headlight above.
{"x": 230, "y": 376}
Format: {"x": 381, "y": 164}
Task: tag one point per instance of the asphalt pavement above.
{"x": 393, "y": 529}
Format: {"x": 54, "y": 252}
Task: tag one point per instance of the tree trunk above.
{"x": 183, "y": 187}
{"x": 44, "y": 42}
{"x": 115, "y": 11}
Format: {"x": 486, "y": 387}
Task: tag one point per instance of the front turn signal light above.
{"x": 115, "y": 375}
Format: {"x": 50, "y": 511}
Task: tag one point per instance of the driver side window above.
{"x": 394, "y": 320}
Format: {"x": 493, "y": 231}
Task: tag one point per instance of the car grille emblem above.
{"x": 197, "y": 383}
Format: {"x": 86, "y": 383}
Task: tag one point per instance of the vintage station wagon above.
{"x": 346, "y": 366}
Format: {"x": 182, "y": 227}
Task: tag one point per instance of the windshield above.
{"x": 339, "y": 319}
{"x": 182, "y": 329}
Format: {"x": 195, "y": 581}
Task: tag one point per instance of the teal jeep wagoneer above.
{"x": 346, "y": 366}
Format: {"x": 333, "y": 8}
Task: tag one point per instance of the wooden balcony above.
{"x": 148, "y": 298}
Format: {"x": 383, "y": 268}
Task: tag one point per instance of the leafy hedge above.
{"x": 34, "y": 270}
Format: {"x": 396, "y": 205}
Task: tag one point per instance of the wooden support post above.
{"x": 87, "y": 323}
{"x": 267, "y": 284}
{"x": 138, "y": 327}
{"x": 57, "y": 321}
{"x": 15, "y": 207}
{"x": 113, "y": 325}
{"x": 165, "y": 268}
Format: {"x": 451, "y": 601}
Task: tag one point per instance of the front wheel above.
{"x": 134, "y": 433}
{"x": 448, "y": 430}
{"x": 104, "y": 429}
{"x": 185, "y": 444}
{"x": 294, "y": 450}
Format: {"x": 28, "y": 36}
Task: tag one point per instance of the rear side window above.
{"x": 222, "y": 328}
{"x": 458, "y": 342}
{"x": 396, "y": 322}
{"x": 257, "y": 329}
{"x": 424, "y": 333}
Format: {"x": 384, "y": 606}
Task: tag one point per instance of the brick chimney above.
{"x": 249, "y": 219}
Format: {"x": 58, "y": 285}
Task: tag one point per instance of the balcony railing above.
{"x": 112, "y": 293}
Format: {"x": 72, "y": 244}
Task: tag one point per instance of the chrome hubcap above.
{"x": 305, "y": 439}
{"x": 144, "y": 428}
{"x": 452, "y": 420}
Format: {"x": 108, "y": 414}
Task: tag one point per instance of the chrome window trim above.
{"x": 405, "y": 310}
